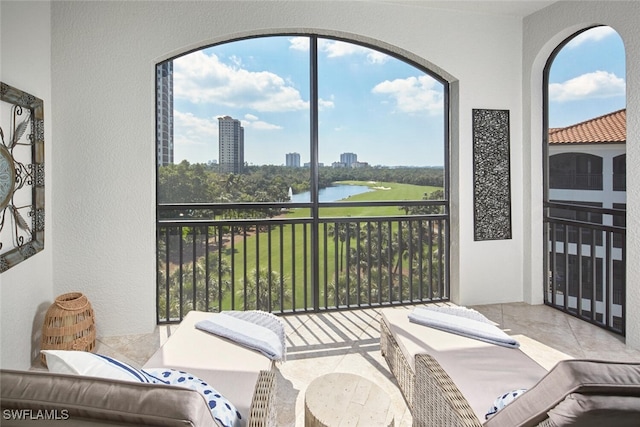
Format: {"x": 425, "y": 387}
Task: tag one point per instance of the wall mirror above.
{"x": 21, "y": 176}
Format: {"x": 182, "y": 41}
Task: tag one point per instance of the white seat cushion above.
{"x": 231, "y": 369}
{"x": 480, "y": 370}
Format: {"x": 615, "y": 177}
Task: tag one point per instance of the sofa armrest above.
{"x": 101, "y": 401}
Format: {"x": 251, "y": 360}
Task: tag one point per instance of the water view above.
{"x": 331, "y": 194}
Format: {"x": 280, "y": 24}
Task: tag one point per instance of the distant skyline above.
{"x": 388, "y": 112}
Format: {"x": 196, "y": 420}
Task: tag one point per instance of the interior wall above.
{"x": 543, "y": 32}
{"x": 26, "y": 290}
{"x": 103, "y": 57}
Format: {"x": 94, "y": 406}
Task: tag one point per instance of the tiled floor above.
{"x": 349, "y": 342}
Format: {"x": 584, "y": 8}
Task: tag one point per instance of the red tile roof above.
{"x": 608, "y": 129}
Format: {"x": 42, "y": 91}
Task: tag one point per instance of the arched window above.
{"x": 620, "y": 173}
{"x": 308, "y": 173}
{"x": 585, "y": 130}
{"x": 575, "y": 171}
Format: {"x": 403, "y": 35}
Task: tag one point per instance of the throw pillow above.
{"x": 503, "y": 401}
{"x": 92, "y": 365}
{"x": 221, "y": 409}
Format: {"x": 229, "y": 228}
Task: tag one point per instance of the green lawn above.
{"x": 291, "y": 245}
{"x": 391, "y": 191}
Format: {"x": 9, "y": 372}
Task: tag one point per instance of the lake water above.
{"x": 332, "y": 194}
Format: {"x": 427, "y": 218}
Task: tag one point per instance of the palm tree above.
{"x": 264, "y": 291}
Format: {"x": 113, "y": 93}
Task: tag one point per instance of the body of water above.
{"x": 332, "y": 194}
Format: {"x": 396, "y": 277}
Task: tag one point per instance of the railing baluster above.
{"x": 181, "y": 289}
{"x": 390, "y": 261}
{"x": 358, "y": 276}
{"x": 293, "y": 267}
{"x": 206, "y": 268}
{"x": 244, "y": 269}
{"x": 167, "y": 276}
{"x": 369, "y": 261}
{"x": 325, "y": 262}
{"x": 369, "y": 253}
{"x": 281, "y": 269}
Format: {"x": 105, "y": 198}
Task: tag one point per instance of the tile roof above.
{"x": 608, "y": 129}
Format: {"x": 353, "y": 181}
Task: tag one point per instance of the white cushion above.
{"x": 92, "y": 365}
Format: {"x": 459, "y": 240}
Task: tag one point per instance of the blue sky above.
{"x": 382, "y": 109}
{"x": 587, "y": 78}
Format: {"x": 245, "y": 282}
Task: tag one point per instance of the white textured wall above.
{"x": 103, "y": 85}
{"x": 26, "y": 289}
{"x": 543, "y": 32}
{"x": 101, "y": 189}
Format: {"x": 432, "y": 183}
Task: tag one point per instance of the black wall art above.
{"x": 491, "y": 175}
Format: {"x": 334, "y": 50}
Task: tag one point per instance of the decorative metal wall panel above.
{"x": 491, "y": 175}
{"x": 21, "y": 176}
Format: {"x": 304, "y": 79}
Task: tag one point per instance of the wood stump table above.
{"x": 341, "y": 399}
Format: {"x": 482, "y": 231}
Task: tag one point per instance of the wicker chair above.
{"x": 436, "y": 400}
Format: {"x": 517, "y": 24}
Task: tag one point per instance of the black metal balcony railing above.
{"x": 575, "y": 181}
{"x": 288, "y": 265}
{"x": 586, "y": 266}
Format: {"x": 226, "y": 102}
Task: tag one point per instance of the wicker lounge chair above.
{"x": 449, "y": 380}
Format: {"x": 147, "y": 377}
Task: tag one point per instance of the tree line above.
{"x": 203, "y": 183}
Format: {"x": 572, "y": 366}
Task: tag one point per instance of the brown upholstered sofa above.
{"x": 451, "y": 380}
{"x": 245, "y": 377}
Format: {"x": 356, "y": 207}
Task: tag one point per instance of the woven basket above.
{"x": 69, "y": 325}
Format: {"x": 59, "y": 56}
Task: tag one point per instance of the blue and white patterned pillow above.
{"x": 221, "y": 409}
{"x": 503, "y": 401}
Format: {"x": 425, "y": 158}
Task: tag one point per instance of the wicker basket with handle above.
{"x": 69, "y": 324}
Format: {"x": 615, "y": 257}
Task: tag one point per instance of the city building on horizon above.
{"x": 293, "y": 160}
{"x": 164, "y": 114}
{"x": 230, "y": 145}
{"x": 348, "y": 159}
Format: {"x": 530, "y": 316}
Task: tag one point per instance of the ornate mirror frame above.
{"x": 21, "y": 176}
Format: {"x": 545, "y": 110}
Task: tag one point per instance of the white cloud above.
{"x": 413, "y": 94}
{"x": 192, "y": 130}
{"x": 299, "y": 43}
{"x": 599, "y": 84}
{"x": 324, "y": 103}
{"x": 594, "y": 34}
{"x": 254, "y": 122}
{"x": 202, "y": 78}
{"x": 337, "y": 49}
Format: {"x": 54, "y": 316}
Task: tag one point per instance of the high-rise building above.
{"x": 230, "y": 145}
{"x": 293, "y": 160}
{"x": 348, "y": 159}
{"x": 164, "y": 113}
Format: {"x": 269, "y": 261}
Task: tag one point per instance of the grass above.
{"x": 293, "y": 267}
{"x": 262, "y": 251}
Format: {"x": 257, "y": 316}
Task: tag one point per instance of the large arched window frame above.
{"x": 438, "y": 230}
{"x": 573, "y": 282}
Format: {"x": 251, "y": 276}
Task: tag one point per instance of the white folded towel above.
{"x": 259, "y": 331}
{"x": 462, "y": 324}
